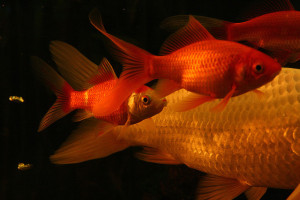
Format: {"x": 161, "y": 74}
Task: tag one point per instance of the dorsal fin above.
{"x": 105, "y": 73}
{"x": 79, "y": 71}
{"x": 189, "y": 34}
{"x": 265, "y": 7}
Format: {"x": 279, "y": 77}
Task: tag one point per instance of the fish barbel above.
{"x": 253, "y": 144}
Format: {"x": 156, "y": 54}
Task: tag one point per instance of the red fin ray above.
{"x": 189, "y": 34}
{"x": 136, "y": 62}
{"x": 104, "y": 73}
{"x": 221, "y": 106}
{"x": 59, "y": 86}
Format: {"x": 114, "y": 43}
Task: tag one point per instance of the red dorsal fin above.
{"x": 265, "y": 7}
{"x": 105, "y": 73}
{"x": 75, "y": 67}
{"x": 189, "y": 34}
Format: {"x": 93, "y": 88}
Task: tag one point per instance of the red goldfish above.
{"x": 276, "y": 32}
{"x": 92, "y": 83}
{"x": 191, "y": 59}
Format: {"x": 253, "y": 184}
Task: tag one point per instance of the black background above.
{"x": 26, "y": 28}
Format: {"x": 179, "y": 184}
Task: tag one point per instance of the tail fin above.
{"x": 136, "y": 62}
{"x": 218, "y": 28}
{"x": 59, "y": 86}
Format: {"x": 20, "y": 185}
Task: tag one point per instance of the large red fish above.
{"x": 88, "y": 84}
{"x": 191, "y": 59}
{"x": 278, "y": 32}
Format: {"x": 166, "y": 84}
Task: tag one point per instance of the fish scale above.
{"x": 257, "y": 145}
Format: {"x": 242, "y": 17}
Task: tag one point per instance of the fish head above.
{"x": 143, "y": 104}
{"x": 255, "y": 70}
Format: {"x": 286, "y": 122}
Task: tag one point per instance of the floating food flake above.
{"x": 23, "y": 167}
{"x": 16, "y": 99}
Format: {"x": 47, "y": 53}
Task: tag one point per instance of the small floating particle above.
{"x": 16, "y": 99}
{"x": 23, "y": 166}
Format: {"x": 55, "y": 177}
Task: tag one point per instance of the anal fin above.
{"x": 82, "y": 115}
{"x": 219, "y": 188}
{"x": 221, "y": 106}
{"x": 157, "y": 156}
{"x": 255, "y": 193}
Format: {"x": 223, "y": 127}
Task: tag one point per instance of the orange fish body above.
{"x": 87, "y": 99}
{"x": 210, "y": 67}
{"x": 191, "y": 59}
{"x": 86, "y": 85}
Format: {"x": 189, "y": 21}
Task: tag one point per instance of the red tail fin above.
{"x": 59, "y": 86}
{"x": 136, "y": 62}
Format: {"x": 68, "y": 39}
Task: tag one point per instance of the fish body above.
{"x": 212, "y": 67}
{"x": 87, "y": 99}
{"x": 277, "y": 31}
{"x": 191, "y": 59}
{"x": 91, "y": 83}
{"x": 252, "y": 144}
{"x": 256, "y": 142}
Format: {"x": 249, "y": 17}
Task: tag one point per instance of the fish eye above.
{"x": 258, "y": 68}
{"x": 146, "y": 100}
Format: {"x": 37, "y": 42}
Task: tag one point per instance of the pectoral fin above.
{"x": 255, "y": 193}
{"x": 214, "y": 187}
{"x": 259, "y": 93}
{"x": 221, "y": 106}
{"x": 191, "y": 101}
{"x": 165, "y": 87}
{"x": 157, "y": 156}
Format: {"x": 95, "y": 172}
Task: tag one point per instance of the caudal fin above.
{"x": 136, "y": 62}
{"x": 59, "y": 86}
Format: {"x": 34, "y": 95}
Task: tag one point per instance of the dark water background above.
{"x": 26, "y": 28}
